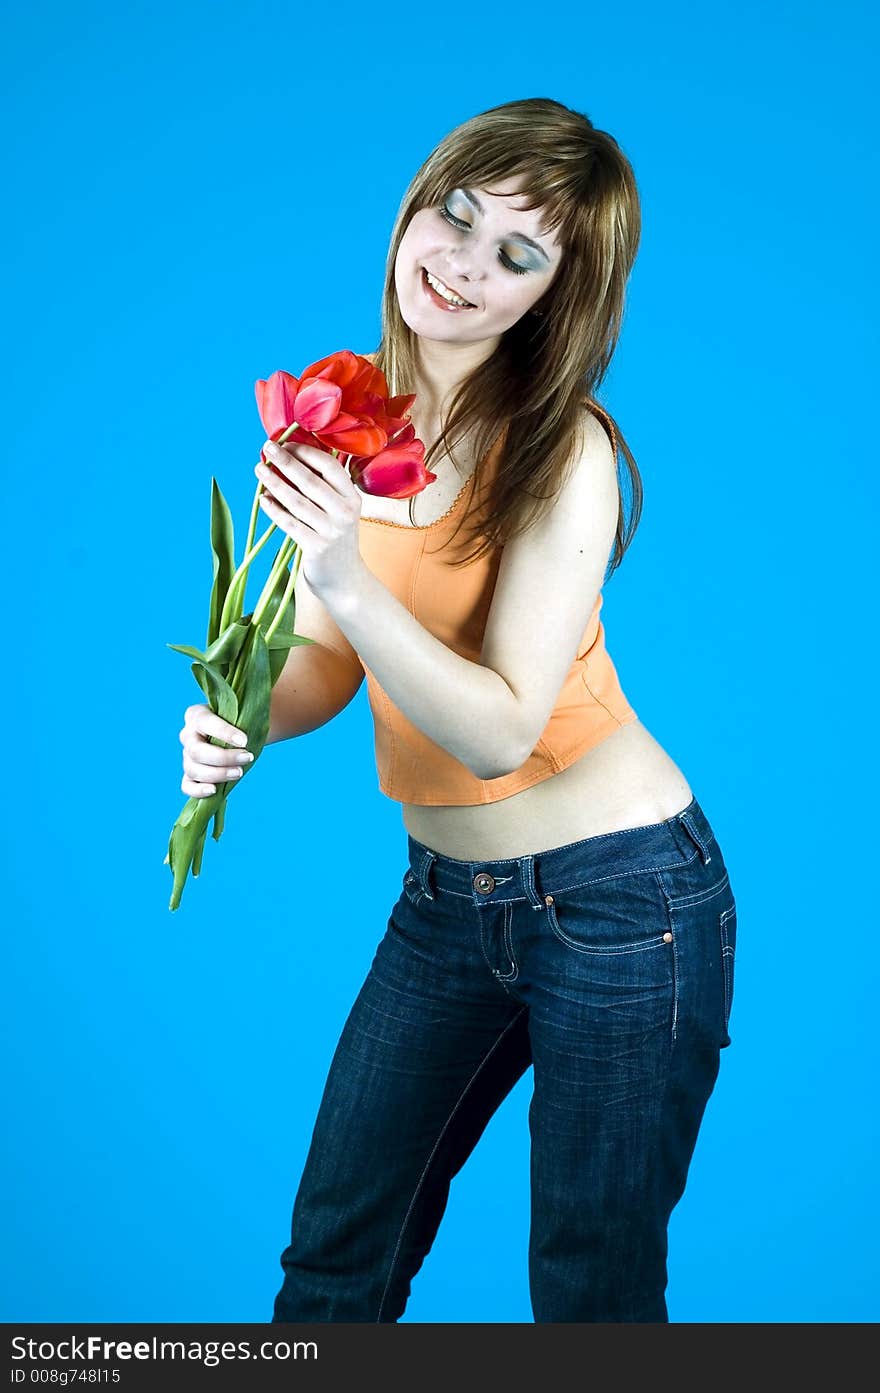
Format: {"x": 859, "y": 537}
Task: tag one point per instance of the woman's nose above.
{"x": 465, "y": 266}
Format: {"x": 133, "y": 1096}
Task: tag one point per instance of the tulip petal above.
{"x": 396, "y": 472}
{"x": 275, "y": 398}
{"x": 354, "y": 436}
{"x": 317, "y": 403}
{"x": 223, "y": 549}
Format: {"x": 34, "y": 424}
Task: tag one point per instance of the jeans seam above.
{"x": 675, "y": 969}
{"x": 727, "y": 956}
{"x": 486, "y": 1057}
{"x": 501, "y": 978}
{"x": 508, "y": 943}
{"x": 699, "y": 896}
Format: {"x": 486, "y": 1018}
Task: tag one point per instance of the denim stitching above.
{"x": 690, "y": 827}
{"x": 416, "y": 896}
{"x": 487, "y": 1056}
{"x": 674, "y": 978}
{"x": 580, "y": 884}
{"x": 675, "y": 974}
{"x": 531, "y": 892}
{"x": 426, "y": 862}
{"x": 699, "y": 896}
{"x": 618, "y": 875}
{"x": 508, "y": 918}
{"x": 727, "y": 957}
{"x": 588, "y": 948}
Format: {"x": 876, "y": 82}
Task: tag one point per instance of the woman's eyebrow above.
{"x": 520, "y": 236}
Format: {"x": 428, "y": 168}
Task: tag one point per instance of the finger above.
{"x": 298, "y": 505}
{"x": 296, "y": 530}
{"x": 291, "y": 481}
{"x": 207, "y": 722}
{"x": 213, "y": 755}
{"x": 315, "y": 473}
{"x": 195, "y": 790}
{"x": 328, "y": 466}
{"x": 210, "y": 773}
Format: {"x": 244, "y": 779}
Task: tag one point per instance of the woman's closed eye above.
{"x": 502, "y": 256}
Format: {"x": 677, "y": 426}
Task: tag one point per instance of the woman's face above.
{"x": 488, "y": 250}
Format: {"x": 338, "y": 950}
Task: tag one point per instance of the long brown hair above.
{"x": 548, "y": 362}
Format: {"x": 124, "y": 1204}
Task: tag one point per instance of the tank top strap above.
{"x": 602, "y": 415}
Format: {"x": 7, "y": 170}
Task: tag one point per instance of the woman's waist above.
{"x": 628, "y": 780}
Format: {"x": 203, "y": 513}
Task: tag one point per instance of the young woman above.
{"x": 565, "y": 904}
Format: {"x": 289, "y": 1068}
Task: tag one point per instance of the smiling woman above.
{"x": 564, "y": 903}
{"x": 487, "y": 272}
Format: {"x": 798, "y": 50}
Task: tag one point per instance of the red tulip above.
{"x": 398, "y": 471}
{"x": 341, "y": 403}
{"x": 275, "y": 398}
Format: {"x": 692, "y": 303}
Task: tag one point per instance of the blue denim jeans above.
{"x": 607, "y": 964}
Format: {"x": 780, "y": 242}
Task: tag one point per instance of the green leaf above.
{"x": 279, "y": 646}
{"x": 226, "y": 648}
{"x": 223, "y": 549}
{"x": 256, "y": 691}
{"x": 275, "y": 597}
{"x": 221, "y": 697}
{"x": 187, "y": 841}
{"x": 189, "y": 652}
{"x": 281, "y": 639}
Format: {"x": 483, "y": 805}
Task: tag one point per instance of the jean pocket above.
{"x": 618, "y": 915}
{"x": 727, "y": 931}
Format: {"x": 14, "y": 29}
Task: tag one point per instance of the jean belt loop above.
{"x": 425, "y": 871}
{"x": 690, "y": 827}
{"x": 527, "y": 871}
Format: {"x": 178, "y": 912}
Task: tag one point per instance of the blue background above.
{"x": 201, "y": 194}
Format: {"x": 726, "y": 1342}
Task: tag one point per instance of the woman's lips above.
{"x": 438, "y": 299}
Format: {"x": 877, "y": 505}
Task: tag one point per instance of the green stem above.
{"x": 235, "y": 592}
{"x": 285, "y": 598}
{"x": 237, "y": 587}
{"x": 281, "y": 561}
{"x": 230, "y": 603}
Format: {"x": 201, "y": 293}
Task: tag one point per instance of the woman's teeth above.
{"x": 446, "y": 293}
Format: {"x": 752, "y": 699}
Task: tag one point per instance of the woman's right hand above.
{"x": 204, "y": 764}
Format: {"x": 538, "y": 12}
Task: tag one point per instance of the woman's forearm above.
{"x": 466, "y": 708}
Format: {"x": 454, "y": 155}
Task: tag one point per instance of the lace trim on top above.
{"x": 426, "y": 526}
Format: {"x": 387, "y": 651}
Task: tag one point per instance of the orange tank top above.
{"x": 453, "y": 604}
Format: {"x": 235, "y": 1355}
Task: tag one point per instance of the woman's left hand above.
{"x": 314, "y": 500}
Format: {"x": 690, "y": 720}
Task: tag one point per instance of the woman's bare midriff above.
{"x": 627, "y": 781}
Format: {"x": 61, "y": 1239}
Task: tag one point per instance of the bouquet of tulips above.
{"x": 339, "y": 404}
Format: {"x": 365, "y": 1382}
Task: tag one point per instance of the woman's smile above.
{"x": 438, "y": 299}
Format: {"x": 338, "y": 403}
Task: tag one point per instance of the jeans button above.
{"x": 484, "y": 882}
